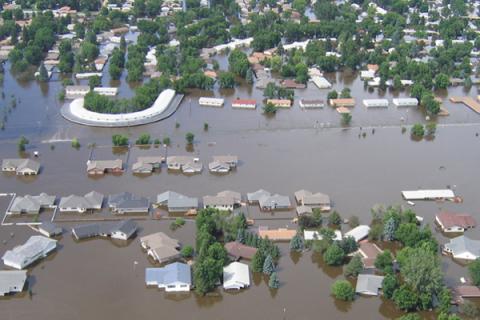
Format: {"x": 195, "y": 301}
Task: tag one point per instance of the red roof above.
{"x": 239, "y": 250}
{"x": 467, "y": 291}
{"x": 449, "y": 219}
{"x": 369, "y": 253}
{"x": 244, "y": 101}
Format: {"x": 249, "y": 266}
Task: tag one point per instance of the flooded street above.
{"x": 97, "y": 278}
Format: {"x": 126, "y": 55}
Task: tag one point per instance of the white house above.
{"x": 12, "y": 281}
{"x": 463, "y": 248}
{"x": 211, "y": 102}
{"x": 315, "y": 235}
{"x": 175, "y": 277}
{"x": 405, "y": 102}
{"x": 358, "y": 233}
{"x": 236, "y": 276}
{"x": 368, "y": 284}
{"x": 35, "y": 248}
{"x": 375, "y": 103}
{"x": 106, "y": 91}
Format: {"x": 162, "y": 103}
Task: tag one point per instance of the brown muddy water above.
{"x": 98, "y": 279}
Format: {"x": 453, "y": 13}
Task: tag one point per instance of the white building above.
{"x": 211, "y": 102}
{"x": 375, "y": 103}
{"x": 358, "y": 233}
{"x": 463, "y": 248}
{"x": 236, "y": 276}
{"x": 405, "y": 102}
{"x": 315, "y": 235}
{"x": 321, "y": 82}
{"x": 35, "y": 248}
{"x": 12, "y": 281}
{"x": 106, "y": 91}
{"x": 76, "y": 91}
{"x": 175, "y": 277}
{"x": 428, "y": 194}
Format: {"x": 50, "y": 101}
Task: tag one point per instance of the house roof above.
{"x": 21, "y": 164}
{"x": 177, "y": 200}
{"x": 449, "y": 219}
{"x": 127, "y": 200}
{"x": 462, "y": 244}
{"x": 10, "y": 279}
{"x": 104, "y": 164}
{"x": 226, "y": 159}
{"x": 308, "y": 198}
{"x": 170, "y": 274}
{"x": 255, "y": 196}
{"x": 182, "y": 160}
{"x": 142, "y": 166}
{"x": 237, "y": 196}
{"x": 159, "y": 239}
{"x": 50, "y": 228}
{"x": 301, "y": 210}
{"x": 105, "y": 228}
{"x": 428, "y": 194}
{"x": 33, "y": 247}
{"x": 467, "y": 291}
{"x": 218, "y": 166}
{"x": 91, "y": 200}
{"x": 368, "y": 284}
{"x": 358, "y": 233}
{"x": 273, "y": 201}
{"x": 239, "y": 250}
{"x": 277, "y": 234}
{"x": 236, "y": 275}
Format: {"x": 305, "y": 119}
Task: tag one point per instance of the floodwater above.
{"x": 98, "y": 278}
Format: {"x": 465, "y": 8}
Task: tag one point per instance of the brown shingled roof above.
{"x": 239, "y": 250}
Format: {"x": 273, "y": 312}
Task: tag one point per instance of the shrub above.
{"x": 343, "y": 290}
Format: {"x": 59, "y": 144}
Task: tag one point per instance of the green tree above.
{"x": 119, "y": 140}
{"x": 405, "y": 299}
{"x": 226, "y": 80}
{"x": 22, "y": 142}
{"x": 268, "y": 266}
{"x": 296, "y": 243}
{"x": 187, "y": 252}
{"x": 389, "y": 228}
{"x": 431, "y": 128}
{"x": 346, "y": 119}
{"x": 397, "y": 82}
{"x": 43, "y": 74}
{"x": 332, "y": 95}
{"x": 257, "y": 261}
{"x": 354, "y": 267}
{"x": 166, "y": 141}
{"x": 474, "y": 271}
{"x": 348, "y": 244}
{"x": 442, "y": 81}
{"x": 334, "y": 219}
{"x": 238, "y": 63}
{"x": 75, "y": 143}
{"x": 94, "y": 82}
{"x": 273, "y": 282}
{"x": 345, "y": 93}
{"x": 189, "y": 137}
{"x": 334, "y": 256}
{"x": 270, "y": 108}
{"x": 144, "y": 139}
{"x": 206, "y": 274}
{"x": 410, "y": 316}
{"x": 249, "y": 76}
{"x": 389, "y": 285}
{"x": 384, "y": 261}
{"x": 343, "y": 290}
{"x": 418, "y": 130}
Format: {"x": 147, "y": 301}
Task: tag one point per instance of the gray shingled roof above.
{"x": 170, "y": 274}
{"x": 463, "y": 244}
{"x": 12, "y": 281}
{"x": 104, "y": 229}
{"x": 368, "y": 284}
{"x": 255, "y": 196}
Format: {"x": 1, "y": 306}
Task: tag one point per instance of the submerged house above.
{"x": 122, "y": 230}
{"x": 174, "y": 277}
{"x": 368, "y": 252}
{"x": 186, "y": 164}
{"x": 147, "y": 164}
{"x": 49, "y": 229}
{"x": 369, "y": 284}
{"x": 269, "y": 202}
{"x": 31, "y": 204}
{"x": 90, "y": 202}
{"x": 12, "y": 281}
{"x": 236, "y": 276}
{"x": 22, "y": 167}
{"x": 358, "y": 233}
{"x": 463, "y": 248}
{"x": 35, "y": 248}
{"x": 313, "y": 200}
{"x": 161, "y": 247}
{"x": 280, "y": 234}
{"x": 125, "y": 202}
{"x": 176, "y": 202}
{"x": 222, "y": 164}
{"x": 237, "y": 250}
{"x": 225, "y": 200}
{"x": 455, "y": 222}
{"x": 104, "y": 166}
